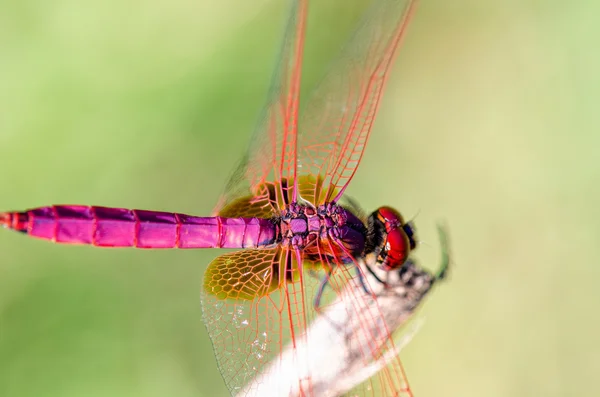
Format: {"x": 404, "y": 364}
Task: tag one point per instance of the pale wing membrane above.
{"x": 336, "y": 120}
{"x": 257, "y": 303}
{"x": 271, "y": 155}
{"x": 254, "y": 304}
{"x": 243, "y": 321}
{"x": 372, "y": 339}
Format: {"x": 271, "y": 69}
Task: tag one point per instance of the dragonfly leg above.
{"x": 320, "y": 290}
{"x": 445, "y": 247}
{"x": 361, "y": 279}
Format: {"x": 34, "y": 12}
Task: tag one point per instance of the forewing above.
{"x": 271, "y": 155}
{"x": 367, "y": 337}
{"x": 257, "y": 302}
{"x": 336, "y": 120}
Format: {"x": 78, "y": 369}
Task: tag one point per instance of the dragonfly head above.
{"x": 389, "y": 237}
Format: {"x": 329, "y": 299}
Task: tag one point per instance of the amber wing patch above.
{"x": 253, "y": 273}
{"x": 248, "y": 207}
{"x": 268, "y": 197}
{"x": 243, "y": 275}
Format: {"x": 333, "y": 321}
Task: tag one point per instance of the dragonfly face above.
{"x": 389, "y": 239}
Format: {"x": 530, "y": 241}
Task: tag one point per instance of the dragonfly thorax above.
{"x": 300, "y": 225}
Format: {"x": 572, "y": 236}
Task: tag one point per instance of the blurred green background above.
{"x": 489, "y": 122}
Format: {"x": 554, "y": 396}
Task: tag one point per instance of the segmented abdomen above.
{"x": 119, "y": 227}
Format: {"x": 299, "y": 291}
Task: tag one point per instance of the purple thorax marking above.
{"x": 301, "y": 225}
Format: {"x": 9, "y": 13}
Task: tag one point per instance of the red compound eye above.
{"x": 390, "y": 217}
{"x": 397, "y": 243}
{"x": 397, "y": 248}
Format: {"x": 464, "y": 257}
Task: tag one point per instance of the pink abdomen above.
{"x": 119, "y": 227}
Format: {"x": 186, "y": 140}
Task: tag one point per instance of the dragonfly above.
{"x": 303, "y": 244}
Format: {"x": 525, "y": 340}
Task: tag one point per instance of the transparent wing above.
{"x": 271, "y": 155}
{"x": 370, "y": 339}
{"x": 233, "y": 303}
{"x": 257, "y": 303}
{"x": 258, "y": 306}
{"x": 253, "y": 303}
{"x": 336, "y": 120}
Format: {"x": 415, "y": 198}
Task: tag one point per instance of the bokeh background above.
{"x": 489, "y": 122}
